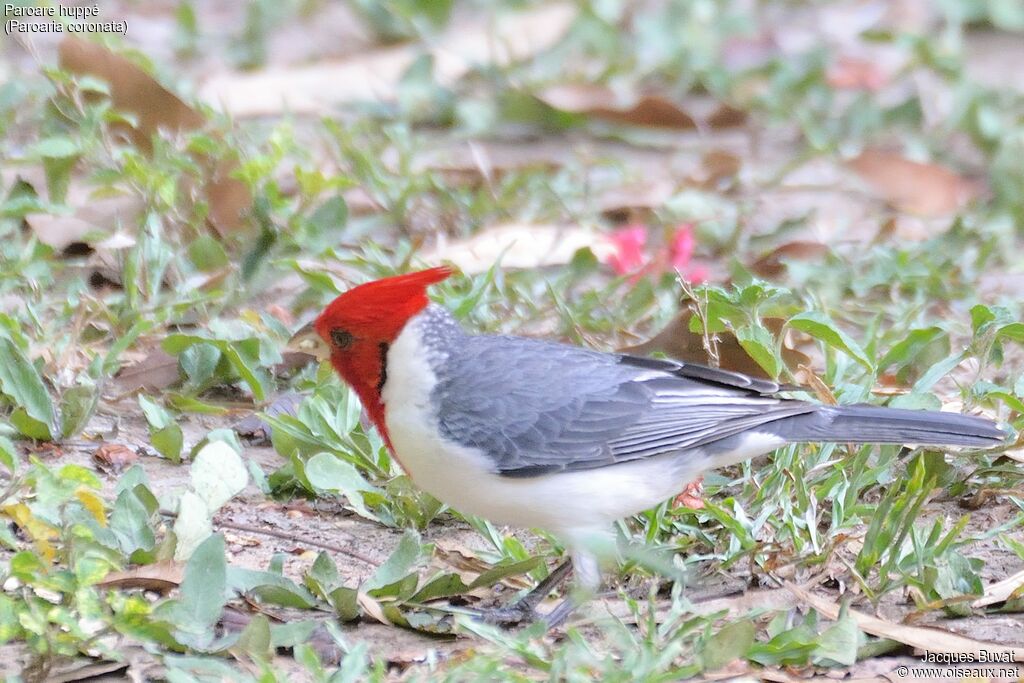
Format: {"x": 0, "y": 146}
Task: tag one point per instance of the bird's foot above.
{"x": 509, "y": 616}
{"x": 524, "y": 611}
{"x": 518, "y": 614}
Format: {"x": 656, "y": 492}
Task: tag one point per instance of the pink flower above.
{"x": 680, "y": 249}
{"x": 630, "y": 256}
{"x": 680, "y": 254}
{"x": 629, "y": 243}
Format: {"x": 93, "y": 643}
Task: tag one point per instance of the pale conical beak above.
{"x": 307, "y": 341}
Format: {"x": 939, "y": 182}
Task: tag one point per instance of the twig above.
{"x": 236, "y": 526}
{"x": 710, "y": 340}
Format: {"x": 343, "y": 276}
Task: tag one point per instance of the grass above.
{"x": 345, "y": 198}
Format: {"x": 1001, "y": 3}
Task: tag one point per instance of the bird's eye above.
{"x": 342, "y": 338}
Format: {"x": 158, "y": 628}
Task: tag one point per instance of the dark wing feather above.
{"x": 564, "y": 408}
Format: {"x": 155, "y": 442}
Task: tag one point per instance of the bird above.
{"x": 539, "y": 434}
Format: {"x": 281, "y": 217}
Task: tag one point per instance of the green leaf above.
{"x": 199, "y": 363}
{"x": 824, "y": 329}
{"x": 77, "y": 405}
{"x": 325, "y": 472}
{"x": 331, "y": 215}
{"x": 193, "y": 525}
{"x": 207, "y": 254}
{"x": 322, "y": 577}
{"x": 1014, "y": 331}
{"x": 56, "y": 148}
{"x": 222, "y": 434}
{"x": 911, "y": 346}
{"x": 505, "y": 569}
{"x": 242, "y": 355}
{"x": 25, "y": 565}
{"x": 838, "y": 643}
{"x": 204, "y": 588}
{"x": 58, "y": 176}
{"x": 398, "y": 566}
{"x": 792, "y": 646}
{"x": 345, "y": 602}
{"x": 8, "y": 454}
{"x": 191, "y": 404}
{"x": 292, "y": 633}
{"x": 20, "y": 381}
{"x": 164, "y": 433}
{"x": 217, "y": 474}
{"x": 729, "y": 644}
{"x": 980, "y": 316}
{"x": 130, "y": 523}
{"x": 156, "y": 416}
{"x": 270, "y": 587}
{"x": 444, "y": 586}
{"x": 248, "y": 370}
{"x": 30, "y": 427}
{"x": 937, "y": 372}
{"x": 169, "y": 442}
{"x": 254, "y": 640}
{"x": 10, "y": 623}
{"x": 760, "y": 345}
{"x": 80, "y": 475}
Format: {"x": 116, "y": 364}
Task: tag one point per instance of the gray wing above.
{"x": 562, "y": 408}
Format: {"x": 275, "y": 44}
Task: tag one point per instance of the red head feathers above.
{"x": 378, "y": 310}
{"x": 359, "y": 326}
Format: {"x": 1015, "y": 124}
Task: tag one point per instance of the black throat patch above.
{"x": 383, "y": 347}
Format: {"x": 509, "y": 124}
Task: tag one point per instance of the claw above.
{"x": 508, "y": 617}
{"x": 524, "y": 610}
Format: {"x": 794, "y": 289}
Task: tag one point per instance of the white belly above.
{"x": 562, "y": 502}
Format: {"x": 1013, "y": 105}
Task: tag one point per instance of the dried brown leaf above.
{"x": 735, "y": 606}
{"x": 114, "y": 457}
{"x": 1001, "y": 591}
{"x": 920, "y": 637}
{"x": 375, "y": 75}
{"x": 160, "y": 577}
{"x": 635, "y": 198}
{"x": 692, "y": 495}
{"x": 638, "y": 109}
{"x": 131, "y": 90}
{"x": 718, "y": 167}
{"x": 912, "y": 186}
{"x": 156, "y": 371}
{"x": 773, "y": 264}
{"x": 57, "y": 231}
{"x": 676, "y": 340}
{"x": 89, "y": 214}
{"x": 157, "y": 108}
{"x": 229, "y": 198}
{"x": 88, "y": 670}
{"x": 603, "y": 103}
{"x": 807, "y": 376}
{"x": 372, "y": 608}
{"x": 518, "y": 245}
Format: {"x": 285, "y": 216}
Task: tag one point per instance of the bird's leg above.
{"x": 525, "y": 609}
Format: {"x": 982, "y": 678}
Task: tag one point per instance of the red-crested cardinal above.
{"x": 538, "y": 434}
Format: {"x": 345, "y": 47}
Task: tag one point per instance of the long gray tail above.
{"x": 875, "y": 424}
